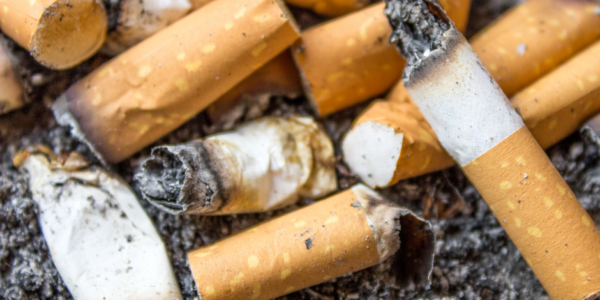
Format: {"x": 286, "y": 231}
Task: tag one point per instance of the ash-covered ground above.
{"x": 474, "y": 257}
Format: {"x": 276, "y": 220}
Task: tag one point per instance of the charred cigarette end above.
{"x": 344, "y": 233}
{"x": 181, "y": 179}
{"x": 87, "y": 207}
{"x": 263, "y": 165}
{"x": 396, "y": 228}
{"x": 591, "y": 129}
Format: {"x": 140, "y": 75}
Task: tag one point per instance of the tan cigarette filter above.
{"x": 349, "y": 60}
{"x": 59, "y": 34}
{"x": 534, "y": 38}
{"x": 159, "y": 84}
{"x": 330, "y": 8}
{"x": 278, "y": 77}
{"x": 11, "y": 90}
{"x": 344, "y": 233}
{"x": 552, "y": 108}
{"x": 559, "y": 241}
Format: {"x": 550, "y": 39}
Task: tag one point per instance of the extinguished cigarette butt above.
{"x": 347, "y": 232}
{"x": 59, "y": 34}
{"x": 140, "y": 19}
{"x": 330, "y": 8}
{"x": 162, "y": 82}
{"x": 534, "y": 38}
{"x": 553, "y": 107}
{"x": 102, "y": 243}
{"x": 279, "y": 77}
{"x": 490, "y": 142}
{"x": 11, "y": 89}
{"x": 263, "y": 165}
{"x": 348, "y": 60}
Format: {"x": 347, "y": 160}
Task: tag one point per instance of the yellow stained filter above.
{"x": 559, "y": 241}
{"x": 58, "y": 33}
{"x": 159, "y": 84}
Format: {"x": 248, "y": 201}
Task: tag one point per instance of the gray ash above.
{"x": 417, "y": 28}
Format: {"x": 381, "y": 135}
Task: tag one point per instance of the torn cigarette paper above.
{"x": 263, "y": 165}
{"x": 488, "y": 139}
{"x": 101, "y": 241}
{"x": 159, "y": 84}
{"x": 347, "y": 232}
{"x": 11, "y": 90}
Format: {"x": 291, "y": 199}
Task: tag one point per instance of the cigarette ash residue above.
{"x": 416, "y": 30}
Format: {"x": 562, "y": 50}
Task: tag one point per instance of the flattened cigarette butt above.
{"x": 348, "y": 60}
{"x": 534, "y": 38}
{"x": 490, "y": 142}
{"x": 347, "y": 232}
{"x": 11, "y": 88}
{"x": 162, "y": 82}
{"x": 330, "y": 8}
{"x": 140, "y": 19}
{"x": 102, "y": 243}
{"x": 263, "y": 165}
{"x": 553, "y": 107}
{"x": 279, "y": 77}
{"x": 59, "y": 34}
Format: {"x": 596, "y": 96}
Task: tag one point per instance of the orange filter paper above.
{"x": 306, "y": 247}
{"x": 330, "y": 7}
{"x": 159, "y": 84}
{"x": 540, "y": 213}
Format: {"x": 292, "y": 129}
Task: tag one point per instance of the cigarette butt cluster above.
{"x": 162, "y": 82}
{"x": 101, "y": 241}
{"x": 344, "y": 233}
{"x": 542, "y": 216}
{"x": 59, "y": 34}
{"x": 11, "y": 90}
{"x": 263, "y": 165}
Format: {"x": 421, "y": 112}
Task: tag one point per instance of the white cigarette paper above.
{"x": 263, "y": 165}
{"x": 101, "y": 241}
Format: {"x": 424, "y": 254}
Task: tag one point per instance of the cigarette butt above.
{"x": 199, "y": 3}
{"x": 553, "y": 107}
{"x": 59, "y": 34}
{"x": 102, "y": 243}
{"x": 263, "y": 165}
{"x": 591, "y": 129}
{"x": 140, "y": 19}
{"x": 344, "y": 233}
{"x": 559, "y": 103}
{"x": 279, "y": 77}
{"x": 490, "y": 142}
{"x": 534, "y": 38}
{"x": 330, "y": 8}
{"x": 11, "y": 90}
{"x": 349, "y": 60}
{"x": 159, "y": 84}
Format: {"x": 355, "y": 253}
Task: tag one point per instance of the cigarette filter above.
{"x": 278, "y": 77}
{"x": 330, "y": 7}
{"x": 534, "y": 38}
{"x": 348, "y": 60}
{"x": 553, "y": 107}
{"x": 344, "y": 233}
{"x": 11, "y": 90}
{"x": 140, "y": 19}
{"x": 263, "y": 165}
{"x": 489, "y": 140}
{"x": 159, "y": 84}
{"x": 101, "y": 241}
{"x": 59, "y": 34}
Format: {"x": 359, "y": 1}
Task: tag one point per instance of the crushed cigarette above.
{"x": 162, "y": 82}
{"x": 59, "y": 34}
{"x": 140, "y": 19}
{"x": 101, "y": 241}
{"x": 347, "y": 60}
{"x": 490, "y": 142}
{"x": 263, "y": 165}
{"x": 347, "y": 232}
{"x": 11, "y": 88}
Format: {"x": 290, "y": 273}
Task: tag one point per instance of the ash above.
{"x": 474, "y": 257}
